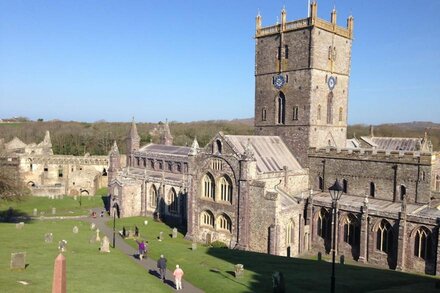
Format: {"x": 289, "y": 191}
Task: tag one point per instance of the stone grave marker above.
{"x": 160, "y": 236}
{"x": 41, "y": 214}
{"x": 75, "y": 230}
{"x": 319, "y": 256}
{"x": 174, "y": 232}
{"x": 97, "y": 238}
{"x": 193, "y": 246}
{"x": 19, "y": 226}
{"x": 92, "y": 226}
{"x": 145, "y": 222}
{"x": 62, "y": 245}
{"x": 75, "y": 197}
{"x": 238, "y": 270}
{"x": 342, "y": 260}
{"x": 54, "y": 211}
{"x": 61, "y": 196}
{"x": 18, "y": 260}
{"x": 35, "y": 213}
{"x": 105, "y": 245}
{"x": 48, "y": 237}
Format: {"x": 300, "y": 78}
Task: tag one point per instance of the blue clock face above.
{"x": 279, "y": 81}
{"x": 331, "y": 83}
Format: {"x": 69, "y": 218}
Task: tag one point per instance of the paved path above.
{"x": 148, "y": 264}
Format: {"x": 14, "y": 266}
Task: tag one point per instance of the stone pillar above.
{"x": 273, "y": 237}
{"x": 59, "y": 275}
{"x": 363, "y": 241}
{"x": 243, "y": 216}
{"x": 401, "y": 242}
{"x": 310, "y": 211}
{"x": 191, "y": 203}
{"x": 300, "y": 233}
{"x": 143, "y": 198}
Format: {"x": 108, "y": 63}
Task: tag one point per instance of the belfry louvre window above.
{"x": 225, "y": 189}
{"x": 384, "y": 237}
{"x": 208, "y": 187}
{"x": 423, "y": 243}
{"x": 295, "y": 113}
{"x": 372, "y": 189}
{"x": 224, "y": 223}
{"x": 281, "y": 108}
{"x": 207, "y": 219}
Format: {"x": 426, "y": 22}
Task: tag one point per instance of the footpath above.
{"x": 148, "y": 264}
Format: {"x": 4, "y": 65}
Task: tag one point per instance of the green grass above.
{"x": 67, "y": 206}
{"x": 88, "y": 270}
{"x": 211, "y": 268}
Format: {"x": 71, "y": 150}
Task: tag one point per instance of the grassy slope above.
{"x": 87, "y": 269}
{"x": 211, "y": 269}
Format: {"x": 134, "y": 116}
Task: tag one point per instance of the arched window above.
{"x": 319, "y": 112}
{"x": 324, "y": 224}
{"x": 330, "y": 108}
{"x": 207, "y": 219}
{"x": 372, "y": 189}
{"x": 352, "y": 230}
{"x": 224, "y": 223}
{"x": 173, "y": 202}
{"x": 208, "y": 187}
{"x": 423, "y": 243}
{"x": 321, "y": 183}
{"x": 295, "y": 113}
{"x": 152, "y": 196}
{"x": 345, "y": 186}
{"x": 289, "y": 233}
{"x": 402, "y": 191}
{"x": 384, "y": 237}
{"x": 104, "y": 172}
{"x": 60, "y": 171}
{"x": 263, "y": 114}
{"x": 225, "y": 187}
{"x": 340, "y": 114}
{"x": 218, "y": 145}
{"x": 281, "y": 108}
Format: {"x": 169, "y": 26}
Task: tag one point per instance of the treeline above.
{"x": 78, "y": 138}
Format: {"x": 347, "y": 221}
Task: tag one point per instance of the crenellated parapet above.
{"x": 312, "y": 20}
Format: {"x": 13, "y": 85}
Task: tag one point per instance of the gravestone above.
{"x": 160, "y": 236}
{"x": 92, "y": 226}
{"x": 75, "y": 230}
{"x": 319, "y": 256}
{"x": 62, "y": 245}
{"x": 35, "y": 213}
{"x": 18, "y": 260}
{"x": 193, "y": 246}
{"x": 238, "y": 270}
{"x": 61, "y": 196}
{"x": 19, "y": 226}
{"x": 174, "y": 232}
{"x": 75, "y": 197}
{"x": 105, "y": 245}
{"x": 48, "y": 237}
{"x": 41, "y": 214}
{"x": 54, "y": 211}
{"x": 342, "y": 259}
{"x": 97, "y": 238}
{"x": 145, "y": 222}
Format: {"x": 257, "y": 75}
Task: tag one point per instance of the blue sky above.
{"x": 194, "y": 60}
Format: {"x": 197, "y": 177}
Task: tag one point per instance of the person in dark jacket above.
{"x": 162, "y": 266}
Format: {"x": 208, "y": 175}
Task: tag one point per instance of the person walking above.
{"x": 141, "y": 248}
{"x": 178, "y": 274}
{"x": 162, "y": 266}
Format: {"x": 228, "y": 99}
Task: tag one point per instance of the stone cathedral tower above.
{"x": 302, "y": 75}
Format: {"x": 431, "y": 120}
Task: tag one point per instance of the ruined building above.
{"x": 269, "y": 192}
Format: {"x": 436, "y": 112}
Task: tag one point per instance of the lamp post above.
{"x": 115, "y": 210}
{"x": 335, "y": 193}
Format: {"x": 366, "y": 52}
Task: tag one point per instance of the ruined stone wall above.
{"x": 130, "y": 200}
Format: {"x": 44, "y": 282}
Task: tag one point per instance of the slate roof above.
{"x": 166, "y": 149}
{"x": 270, "y": 152}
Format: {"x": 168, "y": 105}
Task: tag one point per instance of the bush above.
{"x": 218, "y": 244}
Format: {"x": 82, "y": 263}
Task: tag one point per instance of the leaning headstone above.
{"x": 145, "y": 222}
{"x": 35, "y": 213}
{"x": 342, "y": 260}
{"x": 238, "y": 270}
{"x": 319, "y": 256}
{"x": 19, "y": 225}
{"x": 59, "y": 275}
{"x": 54, "y": 211}
{"x": 48, "y": 237}
{"x": 174, "y": 232}
{"x": 75, "y": 230}
{"x": 92, "y": 226}
{"x": 105, "y": 245}
{"x": 160, "y": 236}
{"x": 193, "y": 246}
{"x": 62, "y": 245}
{"x": 18, "y": 260}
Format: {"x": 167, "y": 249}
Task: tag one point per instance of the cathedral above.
{"x": 268, "y": 192}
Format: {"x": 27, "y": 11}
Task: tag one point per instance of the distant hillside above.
{"x": 96, "y": 138}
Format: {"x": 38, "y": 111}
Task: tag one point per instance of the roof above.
{"x": 166, "y": 149}
{"x": 15, "y": 143}
{"x": 394, "y": 143}
{"x": 270, "y": 152}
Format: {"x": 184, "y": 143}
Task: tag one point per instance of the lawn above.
{"x": 211, "y": 269}
{"x": 88, "y": 270}
{"x": 67, "y": 206}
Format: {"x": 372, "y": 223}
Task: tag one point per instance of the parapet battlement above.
{"x": 312, "y": 20}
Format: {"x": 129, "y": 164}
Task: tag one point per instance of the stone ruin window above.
{"x": 138, "y": 161}
{"x": 344, "y": 186}
{"x": 289, "y": 233}
{"x": 169, "y": 166}
{"x": 160, "y": 165}
{"x": 104, "y": 172}
{"x": 152, "y": 196}
{"x": 46, "y": 169}
{"x": 330, "y": 108}
{"x": 321, "y": 183}
{"x": 263, "y": 114}
{"x": 295, "y": 113}
{"x": 224, "y": 223}
{"x": 60, "y": 171}
{"x": 218, "y": 147}
{"x": 152, "y": 164}
{"x": 372, "y": 189}
{"x": 281, "y": 108}
{"x": 173, "y": 202}
{"x": 324, "y": 224}
{"x": 402, "y": 192}
{"x": 179, "y": 167}
{"x": 384, "y": 237}
{"x": 208, "y": 187}
{"x": 207, "y": 219}
{"x": 352, "y": 230}
{"x": 225, "y": 189}
{"x": 437, "y": 183}
{"x": 30, "y": 165}
{"x": 423, "y": 243}
{"x": 144, "y": 161}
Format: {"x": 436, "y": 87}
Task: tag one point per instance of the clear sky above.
{"x": 194, "y": 60}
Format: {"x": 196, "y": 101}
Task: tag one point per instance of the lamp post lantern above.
{"x": 335, "y": 193}
{"x": 115, "y": 210}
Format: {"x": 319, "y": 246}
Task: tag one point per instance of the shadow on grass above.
{"x": 106, "y": 202}
{"x": 303, "y": 275}
{"x": 14, "y": 216}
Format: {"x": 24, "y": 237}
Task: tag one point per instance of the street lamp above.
{"x": 335, "y": 193}
{"x": 115, "y": 210}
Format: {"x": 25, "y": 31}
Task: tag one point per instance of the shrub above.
{"x": 218, "y": 244}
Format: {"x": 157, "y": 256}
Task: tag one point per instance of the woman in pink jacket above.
{"x": 178, "y": 273}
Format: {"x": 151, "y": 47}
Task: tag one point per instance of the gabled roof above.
{"x": 166, "y": 149}
{"x": 394, "y": 143}
{"x": 15, "y": 143}
{"x": 270, "y": 152}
